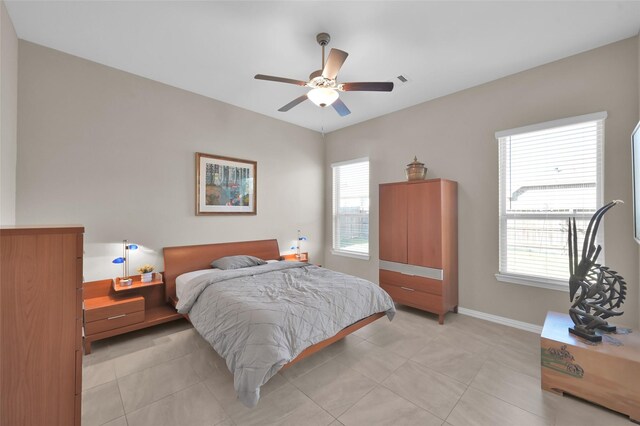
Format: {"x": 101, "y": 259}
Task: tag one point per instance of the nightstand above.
{"x": 111, "y": 309}
{"x": 137, "y": 284}
{"x": 293, "y": 257}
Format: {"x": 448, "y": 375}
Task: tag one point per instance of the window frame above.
{"x": 335, "y": 216}
{"x": 536, "y": 280}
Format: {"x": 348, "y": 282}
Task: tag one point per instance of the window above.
{"x": 351, "y": 208}
{"x": 548, "y": 173}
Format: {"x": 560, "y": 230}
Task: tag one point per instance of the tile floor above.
{"x": 408, "y": 372}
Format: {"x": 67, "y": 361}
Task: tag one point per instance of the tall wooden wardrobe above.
{"x": 41, "y": 325}
{"x": 419, "y": 244}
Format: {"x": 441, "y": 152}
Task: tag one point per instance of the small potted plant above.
{"x": 146, "y": 273}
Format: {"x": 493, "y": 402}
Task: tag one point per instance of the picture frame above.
{"x": 225, "y": 185}
{"x": 635, "y": 182}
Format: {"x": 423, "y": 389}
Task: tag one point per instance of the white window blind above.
{"x": 548, "y": 173}
{"x": 351, "y": 208}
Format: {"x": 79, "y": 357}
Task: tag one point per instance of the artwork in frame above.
{"x": 635, "y": 169}
{"x": 225, "y": 185}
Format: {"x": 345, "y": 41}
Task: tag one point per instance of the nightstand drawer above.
{"x": 304, "y": 257}
{"x": 112, "y": 322}
{"x": 101, "y": 308}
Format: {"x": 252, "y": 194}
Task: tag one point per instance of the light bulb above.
{"x": 322, "y": 96}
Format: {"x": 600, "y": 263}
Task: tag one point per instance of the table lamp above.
{"x": 297, "y": 246}
{"x": 125, "y": 280}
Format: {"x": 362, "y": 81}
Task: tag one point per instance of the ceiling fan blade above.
{"x": 340, "y": 107}
{"x": 334, "y": 63}
{"x": 383, "y": 86}
{"x": 293, "y": 103}
{"x": 280, "y": 79}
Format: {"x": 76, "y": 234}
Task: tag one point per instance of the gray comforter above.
{"x": 262, "y": 317}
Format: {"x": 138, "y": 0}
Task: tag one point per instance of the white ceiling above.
{"x": 215, "y": 48}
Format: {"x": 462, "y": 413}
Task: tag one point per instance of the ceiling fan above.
{"x": 323, "y": 84}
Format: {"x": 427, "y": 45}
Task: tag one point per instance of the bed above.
{"x": 272, "y": 293}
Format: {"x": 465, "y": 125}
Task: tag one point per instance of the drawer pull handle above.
{"x": 117, "y": 316}
{"x": 407, "y": 288}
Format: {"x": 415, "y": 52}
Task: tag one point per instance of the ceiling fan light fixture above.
{"x": 322, "y": 96}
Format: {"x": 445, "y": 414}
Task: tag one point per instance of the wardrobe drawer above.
{"x": 417, "y": 299}
{"x": 79, "y": 273}
{"x": 78, "y": 334}
{"x": 78, "y": 410}
{"x": 80, "y": 246}
{"x": 79, "y": 303}
{"x": 101, "y": 308}
{"x": 115, "y": 321}
{"x": 413, "y": 282}
{"x": 78, "y": 372}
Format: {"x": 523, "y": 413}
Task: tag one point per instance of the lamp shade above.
{"x": 132, "y": 247}
{"x": 322, "y": 96}
{"x": 118, "y": 260}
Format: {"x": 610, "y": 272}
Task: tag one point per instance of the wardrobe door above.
{"x": 393, "y": 223}
{"x": 39, "y": 332}
{"x": 38, "y": 328}
{"x": 424, "y": 224}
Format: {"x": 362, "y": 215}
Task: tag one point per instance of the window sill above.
{"x": 350, "y": 254}
{"x": 549, "y": 284}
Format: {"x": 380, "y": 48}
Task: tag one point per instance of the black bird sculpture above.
{"x": 594, "y": 290}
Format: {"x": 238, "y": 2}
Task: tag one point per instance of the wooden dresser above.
{"x": 41, "y": 325}
{"x": 419, "y": 244}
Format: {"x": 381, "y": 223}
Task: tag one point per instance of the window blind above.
{"x": 547, "y": 175}
{"x": 351, "y": 207}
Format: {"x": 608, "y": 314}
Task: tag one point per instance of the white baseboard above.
{"x": 502, "y": 320}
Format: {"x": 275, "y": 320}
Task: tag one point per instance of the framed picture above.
{"x": 635, "y": 170}
{"x": 225, "y": 185}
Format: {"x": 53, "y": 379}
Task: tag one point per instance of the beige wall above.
{"x": 115, "y": 152}
{"x": 454, "y": 136}
{"x": 8, "y": 117}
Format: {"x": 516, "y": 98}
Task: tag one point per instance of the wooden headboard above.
{"x": 178, "y": 260}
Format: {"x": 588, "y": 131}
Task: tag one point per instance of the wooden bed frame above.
{"x": 179, "y": 260}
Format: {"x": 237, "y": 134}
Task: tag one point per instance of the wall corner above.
{"x": 8, "y": 117}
